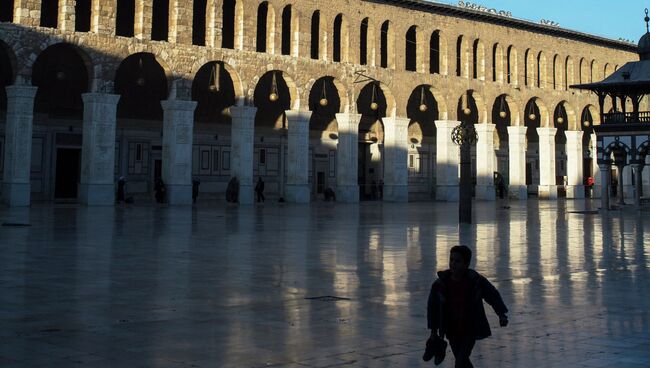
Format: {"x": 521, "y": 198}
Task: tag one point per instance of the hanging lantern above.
{"x": 60, "y": 75}
{"x": 274, "y": 89}
{"x": 465, "y": 103}
{"x": 502, "y": 111}
{"x": 560, "y": 120}
{"x": 323, "y": 96}
{"x": 586, "y": 123}
{"x": 585, "y": 118}
{"x": 532, "y": 117}
{"x": 531, "y": 112}
{"x": 373, "y": 105}
{"x": 214, "y": 83}
{"x": 503, "y": 114}
{"x": 423, "y": 106}
{"x": 140, "y": 81}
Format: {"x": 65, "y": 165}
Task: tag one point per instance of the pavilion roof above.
{"x": 631, "y": 78}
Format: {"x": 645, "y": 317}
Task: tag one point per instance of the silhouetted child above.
{"x": 455, "y": 307}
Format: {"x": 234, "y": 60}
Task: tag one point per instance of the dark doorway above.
{"x": 529, "y": 173}
{"x": 157, "y": 170}
{"x": 68, "y": 169}
{"x": 320, "y": 182}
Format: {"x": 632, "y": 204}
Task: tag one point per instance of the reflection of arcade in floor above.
{"x": 370, "y": 171}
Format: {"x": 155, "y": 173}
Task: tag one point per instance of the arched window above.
{"x": 125, "y": 18}
{"x": 7, "y": 11}
{"x": 198, "y": 22}
{"x": 228, "y": 30}
{"x": 315, "y": 35}
{"x": 541, "y": 71}
{"x": 385, "y": 29}
{"x": 582, "y": 75}
{"x": 160, "y": 20}
{"x": 478, "y": 60}
{"x": 286, "y": 30}
{"x": 434, "y": 53}
{"x": 556, "y": 72}
{"x": 529, "y": 74}
{"x": 341, "y": 37}
{"x": 511, "y": 65}
{"x": 497, "y": 63}
{"x": 82, "y": 12}
{"x": 363, "y": 42}
{"x": 265, "y": 28}
{"x": 411, "y": 57}
{"x": 459, "y": 56}
{"x": 568, "y": 73}
{"x": 49, "y": 13}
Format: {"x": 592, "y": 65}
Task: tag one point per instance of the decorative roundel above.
{"x": 464, "y": 133}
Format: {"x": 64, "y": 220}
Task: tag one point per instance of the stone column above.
{"x": 638, "y": 182}
{"x": 517, "y": 155}
{"x": 241, "y": 150}
{"x": 605, "y": 171}
{"x": 180, "y": 22}
{"x": 16, "y": 188}
{"x": 575, "y": 174}
{"x": 27, "y": 12}
{"x": 628, "y": 185}
{"x": 347, "y": 158}
{"x": 66, "y": 15}
{"x": 297, "y": 187}
{"x": 547, "y": 182}
{"x": 447, "y": 162}
{"x": 485, "y": 159}
{"x": 646, "y": 178}
{"x": 97, "y": 186}
{"x": 143, "y": 19}
{"x": 178, "y": 134}
{"x": 621, "y": 184}
{"x": 395, "y": 164}
{"x": 102, "y": 19}
{"x": 596, "y": 190}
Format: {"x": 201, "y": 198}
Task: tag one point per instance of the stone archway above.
{"x": 214, "y": 90}
{"x": 142, "y": 83}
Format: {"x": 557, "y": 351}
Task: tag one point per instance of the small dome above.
{"x": 644, "y": 47}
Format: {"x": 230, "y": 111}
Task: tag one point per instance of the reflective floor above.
{"x": 227, "y": 287}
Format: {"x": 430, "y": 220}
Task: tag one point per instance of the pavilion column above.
{"x": 16, "y": 189}
{"x": 178, "y": 134}
{"x": 97, "y": 186}
{"x": 547, "y": 182}
{"x": 638, "y": 182}
{"x": 347, "y": 156}
{"x": 395, "y": 165}
{"x": 517, "y": 156}
{"x": 297, "y": 187}
{"x": 447, "y": 162}
{"x": 575, "y": 188}
{"x": 485, "y": 159}
{"x": 242, "y": 149}
{"x": 598, "y": 181}
{"x": 605, "y": 172}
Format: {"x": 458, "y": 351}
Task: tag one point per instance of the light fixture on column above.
{"x": 373, "y": 105}
{"x": 531, "y": 111}
{"x": 214, "y": 82}
{"x": 502, "y": 110}
{"x": 466, "y": 109}
{"x": 323, "y": 96}
{"x": 423, "y": 105}
{"x": 140, "y": 81}
{"x": 60, "y": 75}
{"x": 274, "y": 89}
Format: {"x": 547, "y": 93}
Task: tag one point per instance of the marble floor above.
{"x": 217, "y": 286}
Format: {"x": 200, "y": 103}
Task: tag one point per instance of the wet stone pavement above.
{"x": 227, "y": 287}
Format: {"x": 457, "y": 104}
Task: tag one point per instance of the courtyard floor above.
{"x": 217, "y": 286}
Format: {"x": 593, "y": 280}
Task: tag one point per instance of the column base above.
{"x": 518, "y": 192}
{"x": 575, "y": 191}
{"x": 16, "y": 194}
{"x": 246, "y": 196}
{"x": 547, "y": 191}
{"x": 396, "y": 193}
{"x": 347, "y": 193}
{"x": 179, "y": 195}
{"x": 448, "y": 193}
{"x": 97, "y": 194}
{"x": 486, "y": 192}
{"x": 297, "y": 193}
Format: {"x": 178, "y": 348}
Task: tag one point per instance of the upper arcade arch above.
{"x": 142, "y": 83}
{"x": 214, "y": 90}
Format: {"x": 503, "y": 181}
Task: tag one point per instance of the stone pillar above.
{"x": 646, "y": 178}
{"x": 596, "y": 191}
{"x": 485, "y": 159}
{"x": 297, "y": 187}
{"x": 180, "y": 22}
{"x": 102, "y": 19}
{"x": 27, "y": 12}
{"x": 97, "y": 186}
{"x": 621, "y": 184}
{"x": 242, "y": 149}
{"x": 605, "y": 171}
{"x": 143, "y": 19}
{"x": 628, "y": 184}
{"x": 395, "y": 165}
{"x": 66, "y": 15}
{"x": 16, "y": 188}
{"x": 178, "y": 134}
{"x": 638, "y": 182}
{"x": 347, "y": 158}
{"x": 447, "y": 162}
{"x": 547, "y": 182}
{"x": 517, "y": 155}
{"x": 575, "y": 175}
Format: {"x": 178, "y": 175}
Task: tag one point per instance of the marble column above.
{"x": 396, "y": 159}
{"x": 97, "y": 185}
{"x": 547, "y": 188}
{"x": 347, "y": 158}
{"x": 447, "y": 162}
{"x": 178, "y": 134}
{"x": 605, "y": 172}
{"x": 638, "y": 182}
{"x": 241, "y": 150}
{"x": 485, "y": 160}
{"x": 575, "y": 175}
{"x": 297, "y": 187}
{"x": 16, "y": 188}
{"x": 517, "y": 188}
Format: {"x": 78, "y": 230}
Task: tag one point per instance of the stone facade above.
{"x": 489, "y": 57}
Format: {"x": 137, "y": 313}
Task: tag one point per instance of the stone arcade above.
{"x": 96, "y": 90}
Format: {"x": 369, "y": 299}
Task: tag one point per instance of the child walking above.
{"x": 455, "y": 309}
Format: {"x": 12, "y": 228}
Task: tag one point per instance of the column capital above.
{"x": 485, "y": 128}
{"x": 447, "y": 124}
{"x": 400, "y": 121}
{"x": 515, "y": 130}
{"x": 575, "y": 135}
{"x": 299, "y": 115}
{"x": 178, "y": 105}
{"x": 21, "y": 90}
{"x": 547, "y": 131}
{"x": 104, "y": 98}
{"x": 243, "y": 111}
